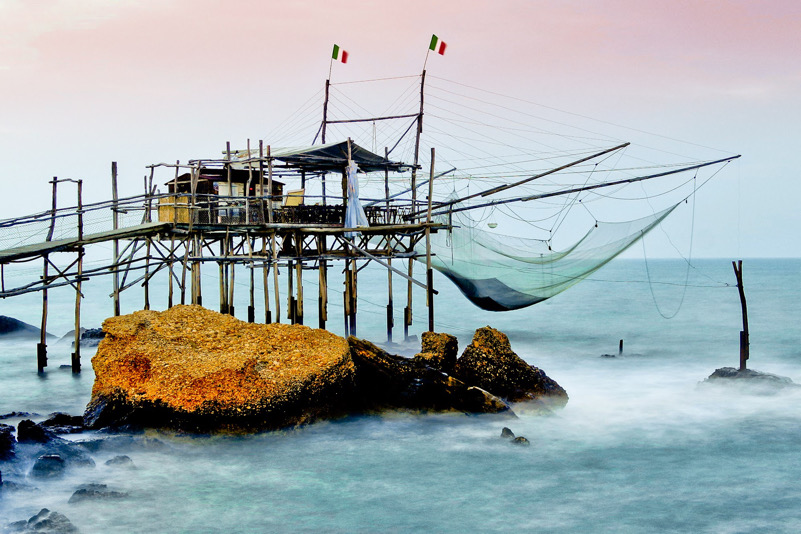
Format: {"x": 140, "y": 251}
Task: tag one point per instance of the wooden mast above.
{"x": 745, "y": 343}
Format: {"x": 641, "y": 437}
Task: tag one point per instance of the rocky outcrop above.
{"x": 95, "y": 492}
{"x": 194, "y": 369}
{"x": 439, "y": 351}
{"x": 490, "y": 363}
{"x": 385, "y": 381}
{"x": 756, "y": 380}
{"x": 7, "y": 442}
{"x": 44, "y": 521}
{"x": 63, "y": 423}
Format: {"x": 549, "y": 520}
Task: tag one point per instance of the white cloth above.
{"x": 354, "y": 215}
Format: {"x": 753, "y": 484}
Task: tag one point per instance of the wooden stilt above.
{"x": 223, "y": 279}
{"x": 251, "y": 268}
{"x": 290, "y": 290}
{"x": 41, "y": 347}
{"x": 116, "y": 243}
{"x": 429, "y": 270}
{"x": 76, "y": 356}
{"x": 299, "y": 273}
{"x": 745, "y": 343}
{"x": 322, "y": 300}
{"x": 353, "y": 297}
{"x": 407, "y": 311}
{"x": 346, "y": 298}
{"x": 265, "y": 282}
{"x": 232, "y": 267}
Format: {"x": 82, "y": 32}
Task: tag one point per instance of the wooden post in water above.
{"x": 429, "y": 270}
{"x": 290, "y": 292}
{"x": 147, "y": 240}
{"x": 76, "y": 356}
{"x": 745, "y": 342}
{"x": 322, "y": 300}
{"x": 41, "y": 347}
{"x": 266, "y": 282}
{"x": 299, "y": 269}
{"x": 390, "y": 310}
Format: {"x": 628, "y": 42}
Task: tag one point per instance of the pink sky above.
{"x": 85, "y": 82}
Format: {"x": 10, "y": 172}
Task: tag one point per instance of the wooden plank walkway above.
{"x": 47, "y": 247}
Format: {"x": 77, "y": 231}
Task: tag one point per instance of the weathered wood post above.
{"x": 387, "y": 221}
{"x": 429, "y": 270}
{"x": 76, "y": 356}
{"x": 745, "y": 342}
{"x": 41, "y": 347}
{"x": 116, "y": 243}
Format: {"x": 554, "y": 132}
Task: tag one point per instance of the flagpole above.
{"x": 426, "y": 60}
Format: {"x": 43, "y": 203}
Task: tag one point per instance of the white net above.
{"x": 500, "y": 273}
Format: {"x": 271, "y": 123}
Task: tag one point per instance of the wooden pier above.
{"x": 233, "y": 211}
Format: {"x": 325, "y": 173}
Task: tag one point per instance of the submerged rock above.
{"x": 122, "y": 461}
{"x": 194, "y": 369}
{"x": 750, "y": 377}
{"x": 386, "y": 381}
{"x": 506, "y": 433}
{"x": 95, "y": 492}
{"x": 48, "y": 466}
{"x": 489, "y": 363}
{"x": 63, "y": 423}
{"x": 520, "y": 440}
{"x": 44, "y": 521}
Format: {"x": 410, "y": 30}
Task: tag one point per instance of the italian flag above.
{"x": 437, "y": 45}
{"x": 339, "y": 54}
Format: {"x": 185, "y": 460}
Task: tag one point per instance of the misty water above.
{"x": 640, "y": 447}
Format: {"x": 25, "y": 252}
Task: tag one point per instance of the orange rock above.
{"x": 189, "y": 367}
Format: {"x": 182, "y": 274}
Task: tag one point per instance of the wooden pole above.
{"x": 346, "y": 298}
{"x": 251, "y": 267}
{"x": 322, "y": 300}
{"x": 276, "y": 295}
{"x": 223, "y": 278}
{"x": 299, "y": 270}
{"x": 353, "y": 297}
{"x": 116, "y": 243}
{"x": 232, "y": 267}
{"x": 265, "y": 282}
{"x": 76, "y": 356}
{"x": 745, "y": 342}
{"x": 148, "y": 241}
{"x": 41, "y": 347}
{"x": 290, "y": 293}
{"x": 429, "y": 270}
{"x": 172, "y": 238}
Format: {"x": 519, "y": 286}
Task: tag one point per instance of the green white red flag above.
{"x": 340, "y": 54}
{"x": 437, "y": 45}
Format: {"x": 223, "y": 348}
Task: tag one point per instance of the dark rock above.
{"x": 11, "y": 415}
{"x": 122, "y": 442}
{"x": 73, "y": 455}
{"x": 94, "y": 492}
{"x": 489, "y": 363}
{"x": 520, "y": 440}
{"x": 11, "y": 327}
{"x": 91, "y": 337}
{"x": 45, "y": 521}
{"x": 507, "y": 433}
{"x": 438, "y": 351}
{"x": 386, "y": 381}
{"x": 758, "y": 381}
{"x": 62, "y": 423}
{"x": 121, "y": 461}
{"x": 28, "y": 431}
{"x": 7, "y": 442}
{"x": 48, "y": 466}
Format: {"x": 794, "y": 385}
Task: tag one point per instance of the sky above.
{"x": 87, "y": 82}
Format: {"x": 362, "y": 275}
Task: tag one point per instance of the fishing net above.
{"x": 501, "y": 273}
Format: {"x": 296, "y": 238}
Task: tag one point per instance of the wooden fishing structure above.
{"x": 220, "y": 213}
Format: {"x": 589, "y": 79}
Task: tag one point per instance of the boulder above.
{"x": 385, "y": 381}
{"x": 438, "y": 351}
{"x": 44, "y": 521}
{"x": 48, "y": 466}
{"x": 62, "y": 423}
{"x": 30, "y": 432}
{"x": 121, "y": 461}
{"x": 95, "y": 492}
{"x": 7, "y": 442}
{"x": 193, "y": 369}
{"x": 506, "y": 433}
{"x": 489, "y": 363}
{"x": 757, "y": 381}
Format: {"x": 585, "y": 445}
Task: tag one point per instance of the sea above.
{"x": 643, "y": 445}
